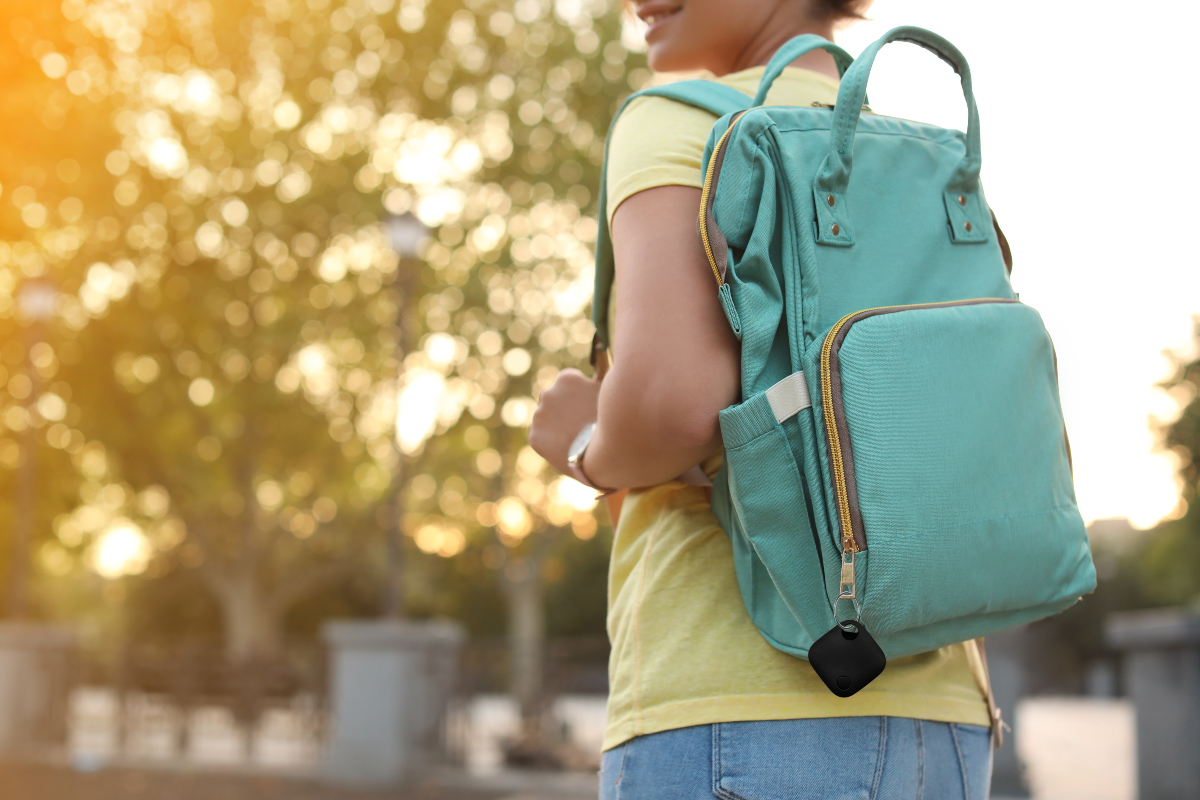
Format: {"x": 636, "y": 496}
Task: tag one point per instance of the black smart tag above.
{"x": 847, "y": 658}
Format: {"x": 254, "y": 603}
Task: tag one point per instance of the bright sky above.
{"x": 1092, "y": 170}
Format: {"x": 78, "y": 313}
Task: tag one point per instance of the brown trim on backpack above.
{"x": 997, "y": 722}
{"x": 1005, "y": 250}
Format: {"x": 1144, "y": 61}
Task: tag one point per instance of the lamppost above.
{"x": 406, "y": 233}
{"x": 37, "y": 301}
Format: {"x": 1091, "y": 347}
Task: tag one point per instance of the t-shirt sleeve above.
{"x": 656, "y": 142}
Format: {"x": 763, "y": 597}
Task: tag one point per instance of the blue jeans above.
{"x": 864, "y": 758}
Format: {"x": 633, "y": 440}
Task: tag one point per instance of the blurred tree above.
{"x": 42, "y": 232}
{"x": 234, "y": 400}
{"x": 1170, "y": 563}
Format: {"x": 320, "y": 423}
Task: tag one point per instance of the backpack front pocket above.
{"x": 948, "y": 462}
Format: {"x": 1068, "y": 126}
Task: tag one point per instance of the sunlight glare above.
{"x": 313, "y": 360}
{"x": 513, "y": 519}
{"x": 168, "y": 156}
{"x": 441, "y": 348}
{"x": 569, "y": 491}
{"x": 417, "y": 415}
{"x": 199, "y": 88}
{"x": 121, "y": 550}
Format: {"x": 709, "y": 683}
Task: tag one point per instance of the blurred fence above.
{"x": 192, "y": 704}
{"x": 189, "y": 704}
{"x": 570, "y": 665}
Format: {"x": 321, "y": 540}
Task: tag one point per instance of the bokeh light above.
{"x": 122, "y": 549}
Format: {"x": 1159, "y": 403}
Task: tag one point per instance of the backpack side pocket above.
{"x": 767, "y": 508}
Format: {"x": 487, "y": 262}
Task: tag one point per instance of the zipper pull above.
{"x": 817, "y": 104}
{"x": 848, "y": 586}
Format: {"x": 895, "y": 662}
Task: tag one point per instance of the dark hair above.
{"x": 844, "y": 9}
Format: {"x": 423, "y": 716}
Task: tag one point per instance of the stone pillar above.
{"x": 1161, "y": 651}
{"x": 35, "y": 680}
{"x": 389, "y": 685}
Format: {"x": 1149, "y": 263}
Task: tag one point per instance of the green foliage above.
{"x": 247, "y": 373}
{"x": 577, "y": 587}
{"x": 1170, "y": 565}
{"x": 171, "y": 609}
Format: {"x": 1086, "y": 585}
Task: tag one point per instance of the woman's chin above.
{"x": 663, "y": 56}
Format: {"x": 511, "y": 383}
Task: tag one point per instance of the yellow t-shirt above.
{"x": 684, "y": 651}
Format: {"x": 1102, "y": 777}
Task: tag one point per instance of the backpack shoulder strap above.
{"x": 713, "y": 97}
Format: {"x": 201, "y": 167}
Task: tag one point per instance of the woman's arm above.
{"x": 676, "y": 359}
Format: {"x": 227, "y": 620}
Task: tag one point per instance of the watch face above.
{"x": 575, "y": 452}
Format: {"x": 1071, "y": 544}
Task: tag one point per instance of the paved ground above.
{"x": 34, "y": 781}
{"x": 41, "y": 782}
{"x": 1075, "y": 749}
{"x": 1078, "y": 748}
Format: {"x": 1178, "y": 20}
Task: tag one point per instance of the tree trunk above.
{"x": 251, "y": 625}
{"x": 526, "y": 634}
{"x": 253, "y": 613}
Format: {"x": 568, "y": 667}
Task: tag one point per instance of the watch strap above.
{"x": 575, "y": 469}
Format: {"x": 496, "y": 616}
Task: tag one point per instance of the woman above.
{"x": 700, "y": 705}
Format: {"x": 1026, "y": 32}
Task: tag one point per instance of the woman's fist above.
{"x": 563, "y": 409}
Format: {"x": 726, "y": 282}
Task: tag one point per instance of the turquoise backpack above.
{"x": 899, "y": 456}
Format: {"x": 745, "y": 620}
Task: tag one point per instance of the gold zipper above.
{"x": 704, "y": 196}
{"x": 835, "y": 443}
{"x": 849, "y": 543}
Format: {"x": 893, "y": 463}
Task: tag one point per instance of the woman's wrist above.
{"x": 575, "y": 454}
{"x": 578, "y": 473}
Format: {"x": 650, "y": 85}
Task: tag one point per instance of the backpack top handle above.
{"x": 962, "y": 198}
{"x": 793, "y": 49}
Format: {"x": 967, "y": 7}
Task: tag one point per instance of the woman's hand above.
{"x": 563, "y": 410}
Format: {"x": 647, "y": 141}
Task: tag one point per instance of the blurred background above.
{"x": 280, "y": 281}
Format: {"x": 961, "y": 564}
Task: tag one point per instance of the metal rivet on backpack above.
{"x": 837, "y": 230}
{"x": 830, "y": 199}
{"x": 962, "y": 200}
{"x": 967, "y": 225}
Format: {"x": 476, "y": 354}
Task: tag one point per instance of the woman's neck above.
{"x": 775, "y": 32}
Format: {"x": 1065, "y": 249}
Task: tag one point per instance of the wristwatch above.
{"x": 575, "y": 457}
